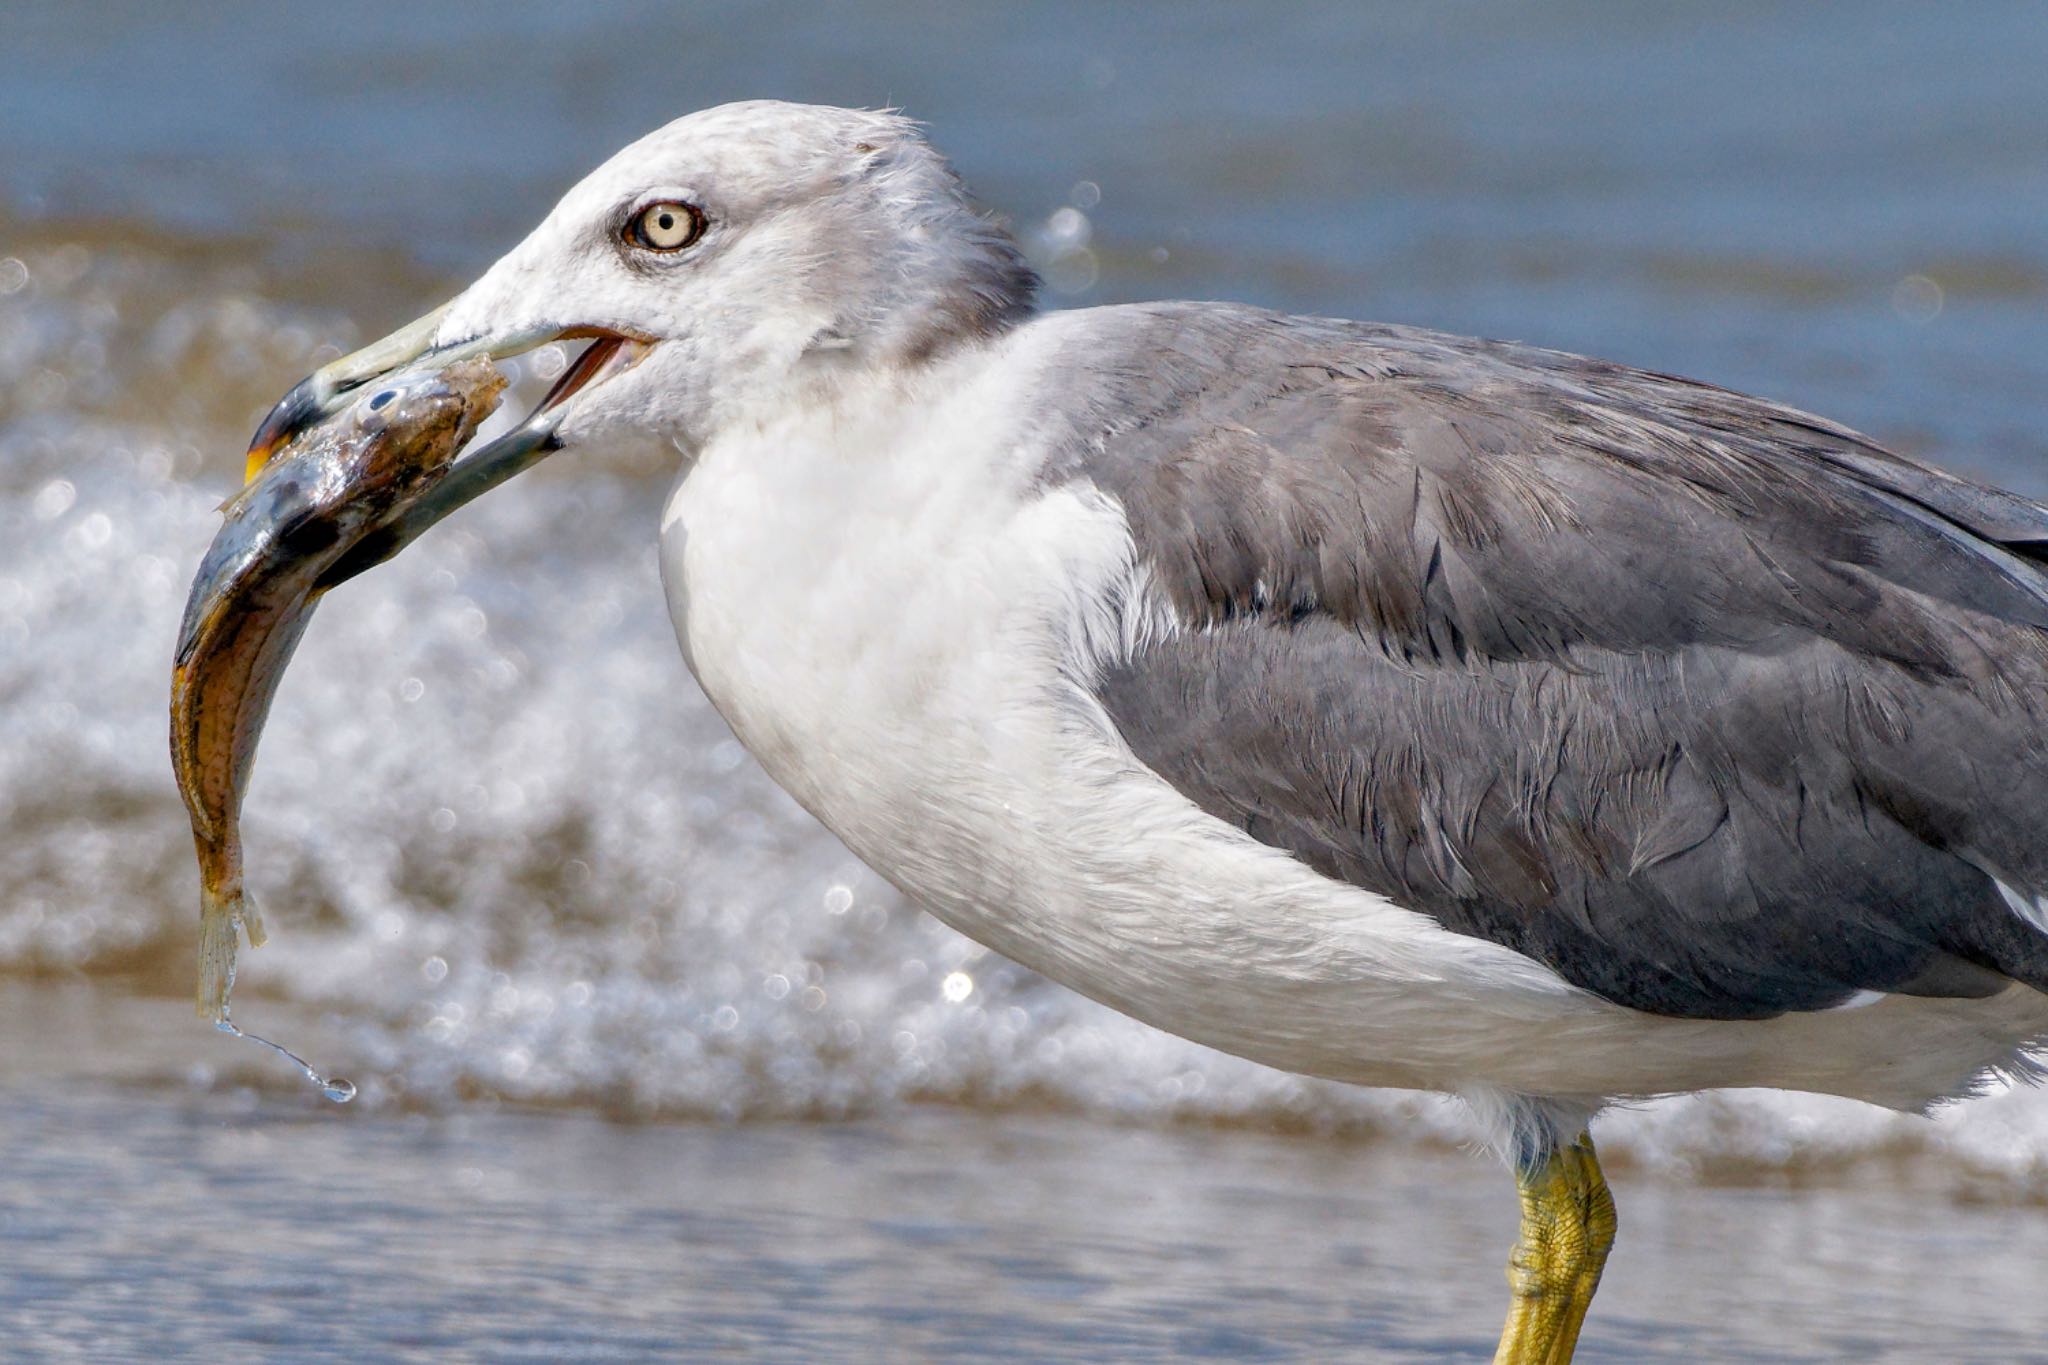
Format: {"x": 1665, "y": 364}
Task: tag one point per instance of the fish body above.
{"x": 303, "y": 514}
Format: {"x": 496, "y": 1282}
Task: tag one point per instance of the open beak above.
{"x": 333, "y": 386}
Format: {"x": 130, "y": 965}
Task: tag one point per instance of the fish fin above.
{"x": 220, "y": 918}
{"x": 227, "y": 504}
{"x": 252, "y": 921}
{"x": 217, "y": 949}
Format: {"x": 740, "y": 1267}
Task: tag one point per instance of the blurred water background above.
{"x": 510, "y": 856}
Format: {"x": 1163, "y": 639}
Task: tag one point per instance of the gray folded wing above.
{"x": 1712, "y": 706}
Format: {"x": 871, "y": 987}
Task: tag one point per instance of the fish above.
{"x": 316, "y": 512}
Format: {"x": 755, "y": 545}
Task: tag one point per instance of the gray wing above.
{"x": 1714, "y": 707}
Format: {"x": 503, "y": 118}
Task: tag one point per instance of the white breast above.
{"x": 898, "y": 623}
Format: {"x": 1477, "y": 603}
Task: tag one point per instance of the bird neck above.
{"x": 960, "y": 282}
{"x": 844, "y": 364}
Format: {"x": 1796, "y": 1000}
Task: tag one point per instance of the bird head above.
{"x": 717, "y": 266}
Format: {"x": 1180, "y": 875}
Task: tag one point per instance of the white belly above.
{"x": 894, "y": 628}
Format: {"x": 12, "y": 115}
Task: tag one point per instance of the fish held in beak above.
{"x": 325, "y": 392}
{"x": 328, "y": 489}
{"x": 351, "y": 466}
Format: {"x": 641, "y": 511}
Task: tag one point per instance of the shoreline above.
{"x": 146, "y": 1224}
{"x": 169, "y": 1198}
{"x": 87, "y": 1032}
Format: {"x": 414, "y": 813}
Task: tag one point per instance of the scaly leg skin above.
{"x": 1567, "y": 1230}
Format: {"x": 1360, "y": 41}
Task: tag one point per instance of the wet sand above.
{"x": 218, "y": 1221}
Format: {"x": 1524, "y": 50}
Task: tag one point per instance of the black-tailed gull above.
{"x": 1373, "y": 703}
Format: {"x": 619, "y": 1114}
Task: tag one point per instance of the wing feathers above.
{"x": 1714, "y": 707}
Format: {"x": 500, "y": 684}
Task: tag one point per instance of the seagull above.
{"x": 1377, "y": 704}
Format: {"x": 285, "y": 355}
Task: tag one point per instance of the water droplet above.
{"x": 1073, "y": 271}
{"x": 383, "y": 400}
{"x": 334, "y": 1088}
{"x": 54, "y": 499}
{"x": 549, "y": 361}
{"x": 1917, "y": 299}
{"x": 957, "y": 987}
{"x": 67, "y": 263}
{"x": 92, "y": 533}
{"x": 1068, "y": 228}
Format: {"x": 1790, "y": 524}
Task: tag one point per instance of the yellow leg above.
{"x": 1567, "y": 1229}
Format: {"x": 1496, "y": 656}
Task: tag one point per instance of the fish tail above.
{"x": 220, "y": 915}
{"x": 252, "y": 921}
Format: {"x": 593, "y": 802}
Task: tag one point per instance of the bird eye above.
{"x": 667, "y": 226}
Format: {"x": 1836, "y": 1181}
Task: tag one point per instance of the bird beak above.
{"x": 331, "y": 388}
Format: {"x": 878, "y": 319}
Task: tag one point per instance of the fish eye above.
{"x": 370, "y": 413}
{"x": 669, "y": 225}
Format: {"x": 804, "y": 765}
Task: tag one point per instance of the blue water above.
{"x": 1731, "y": 191}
